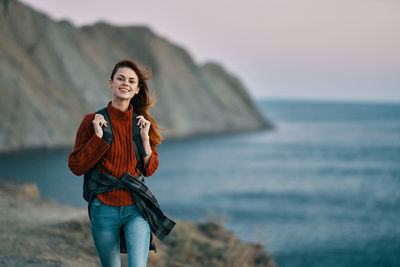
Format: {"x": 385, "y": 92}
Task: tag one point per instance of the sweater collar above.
{"x": 118, "y": 114}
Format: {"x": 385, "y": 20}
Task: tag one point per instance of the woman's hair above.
{"x": 142, "y": 101}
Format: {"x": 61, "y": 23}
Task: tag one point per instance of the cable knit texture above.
{"x": 116, "y": 159}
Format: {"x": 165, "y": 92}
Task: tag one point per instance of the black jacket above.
{"x": 98, "y": 182}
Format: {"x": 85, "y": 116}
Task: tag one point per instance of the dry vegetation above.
{"x": 38, "y": 232}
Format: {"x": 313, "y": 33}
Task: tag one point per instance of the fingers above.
{"x": 142, "y": 122}
{"x": 99, "y": 120}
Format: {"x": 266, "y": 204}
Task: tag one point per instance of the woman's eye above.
{"x": 132, "y": 82}
{"x": 120, "y": 79}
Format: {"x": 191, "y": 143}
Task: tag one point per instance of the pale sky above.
{"x": 312, "y": 49}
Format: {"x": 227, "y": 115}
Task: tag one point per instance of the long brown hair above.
{"x": 143, "y": 100}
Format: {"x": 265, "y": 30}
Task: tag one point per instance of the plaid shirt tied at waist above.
{"x": 97, "y": 182}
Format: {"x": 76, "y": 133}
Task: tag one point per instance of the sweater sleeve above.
{"x": 153, "y": 163}
{"x": 88, "y": 147}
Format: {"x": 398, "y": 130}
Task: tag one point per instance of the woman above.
{"x": 116, "y": 209}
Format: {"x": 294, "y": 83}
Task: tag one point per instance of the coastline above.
{"x": 169, "y": 139}
{"x": 42, "y": 232}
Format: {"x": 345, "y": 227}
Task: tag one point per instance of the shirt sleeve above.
{"x": 153, "y": 163}
{"x": 88, "y": 148}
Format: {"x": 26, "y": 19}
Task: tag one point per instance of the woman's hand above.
{"x": 144, "y": 134}
{"x": 144, "y": 127}
{"x": 98, "y": 123}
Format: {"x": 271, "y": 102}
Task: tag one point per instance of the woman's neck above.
{"x": 122, "y": 105}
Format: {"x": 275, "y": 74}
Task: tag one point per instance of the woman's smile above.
{"x": 124, "y": 90}
{"x": 124, "y": 84}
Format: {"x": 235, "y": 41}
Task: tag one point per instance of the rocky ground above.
{"x": 40, "y": 232}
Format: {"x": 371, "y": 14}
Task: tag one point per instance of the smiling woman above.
{"x": 119, "y": 219}
{"x": 125, "y": 84}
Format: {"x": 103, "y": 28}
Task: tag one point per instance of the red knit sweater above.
{"x": 115, "y": 159}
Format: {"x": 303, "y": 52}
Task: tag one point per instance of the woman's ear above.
{"x": 109, "y": 83}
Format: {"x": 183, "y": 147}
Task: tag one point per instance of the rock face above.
{"x": 39, "y": 232}
{"x": 53, "y": 73}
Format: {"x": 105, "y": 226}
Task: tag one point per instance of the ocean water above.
{"x": 321, "y": 189}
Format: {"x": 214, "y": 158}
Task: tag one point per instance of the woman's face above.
{"x": 125, "y": 83}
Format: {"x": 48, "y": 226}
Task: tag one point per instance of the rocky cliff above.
{"x": 40, "y": 232}
{"x": 53, "y": 73}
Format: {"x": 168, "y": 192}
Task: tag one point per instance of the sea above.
{"x": 322, "y": 188}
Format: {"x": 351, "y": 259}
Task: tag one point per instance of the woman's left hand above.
{"x": 144, "y": 126}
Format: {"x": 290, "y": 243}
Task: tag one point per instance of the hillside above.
{"x": 53, "y": 73}
{"x": 40, "y": 232}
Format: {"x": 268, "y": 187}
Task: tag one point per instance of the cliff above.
{"x": 53, "y": 73}
{"x": 40, "y": 232}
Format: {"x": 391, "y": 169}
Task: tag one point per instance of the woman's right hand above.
{"x": 98, "y": 123}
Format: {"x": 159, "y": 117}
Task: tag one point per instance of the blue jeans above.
{"x": 105, "y": 226}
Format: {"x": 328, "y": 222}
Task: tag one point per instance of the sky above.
{"x": 298, "y": 49}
